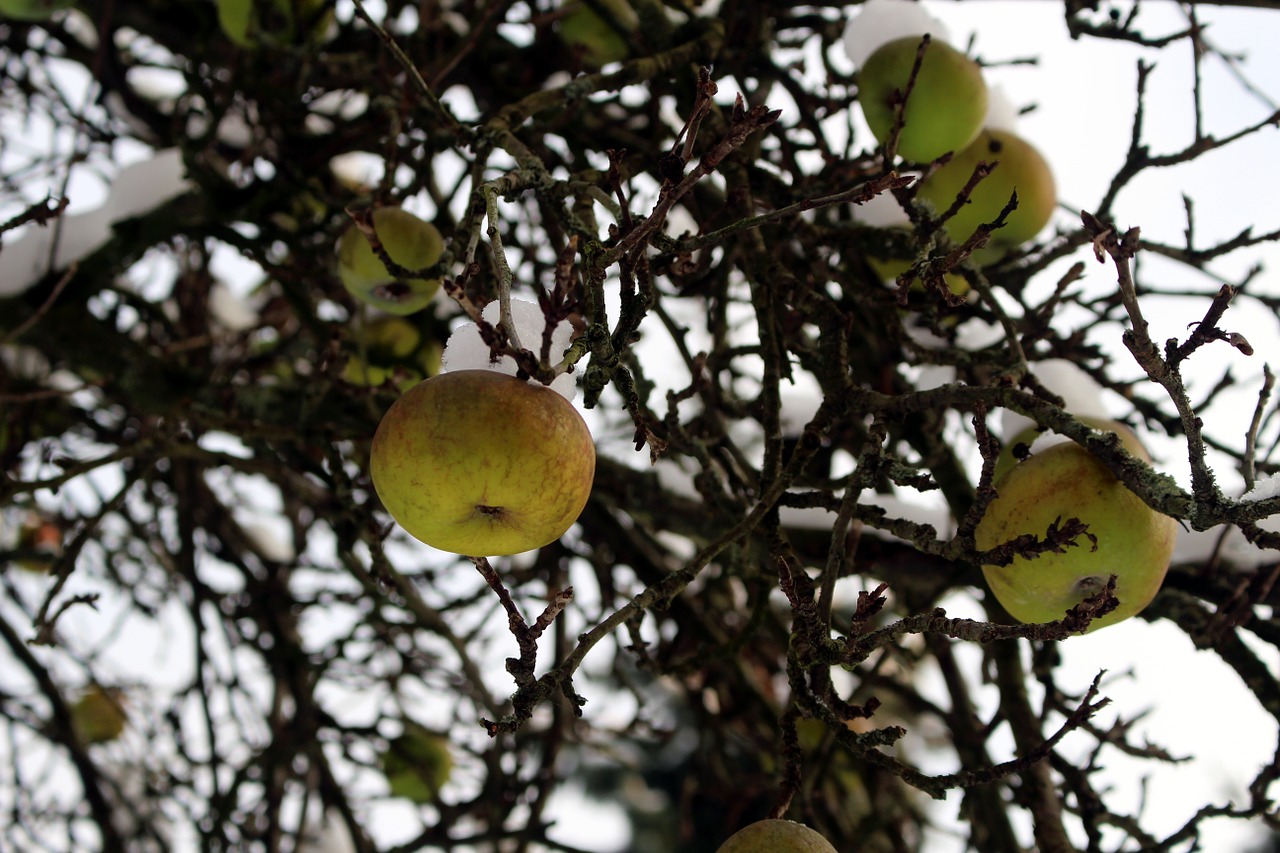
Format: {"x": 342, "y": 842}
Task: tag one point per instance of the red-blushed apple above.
{"x": 776, "y": 836}
{"x": 38, "y": 544}
{"x": 479, "y": 463}
{"x": 1125, "y": 537}
{"x": 1019, "y": 168}
{"x": 412, "y": 243}
{"x": 944, "y": 109}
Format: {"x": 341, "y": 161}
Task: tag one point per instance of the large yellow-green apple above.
{"x": 1019, "y": 168}
{"x": 598, "y": 39}
{"x": 412, "y": 243}
{"x": 480, "y": 463}
{"x": 417, "y": 764}
{"x": 776, "y": 836}
{"x": 32, "y": 10}
{"x": 943, "y": 111}
{"x": 1125, "y": 537}
{"x": 392, "y": 347}
{"x": 1017, "y": 448}
{"x": 255, "y": 23}
{"x": 98, "y": 715}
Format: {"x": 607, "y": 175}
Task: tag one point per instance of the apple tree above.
{"x": 832, "y": 567}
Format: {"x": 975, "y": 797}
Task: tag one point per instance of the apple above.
{"x": 32, "y": 10}
{"x": 1020, "y": 167}
{"x": 39, "y": 543}
{"x": 480, "y": 463}
{"x": 393, "y": 347}
{"x": 890, "y": 268}
{"x": 945, "y": 108}
{"x": 98, "y": 716}
{"x": 597, "y": 39}
{"x": 254, "y": 23}
{"x": 417, "y": 764}
{"x": 1014, "y": 450}
{"x": 776, "y": 836}
{"x": 413, "y": 243}
{"x": 1133, "y": 541}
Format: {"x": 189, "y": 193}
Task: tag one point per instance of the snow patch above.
{"x": 466, "y": 349}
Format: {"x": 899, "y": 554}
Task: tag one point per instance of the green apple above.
{"x": 1013, "y": 451}
{"x": 890, "y": 268}
{"x": 393, "y": 346}
{"x": 98, "y": 716}
{"x": 417, "y": 764}
{"x": 254, "y": 23}
{"x": 32, "y": 10}
{"x": 944, "y": 110}
{"x": 1133, "y": 541}
{"x": 598, "y": 40}
{"x": 1020, "y": 167}
{"x": 480, "y": 463}
{"x": 412, "y": 243}
{"x": 776, "y": 836}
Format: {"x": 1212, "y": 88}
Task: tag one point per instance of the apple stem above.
{"x": 504, "y": 270}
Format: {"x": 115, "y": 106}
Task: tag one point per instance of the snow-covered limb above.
{"x": 880, "y": 21}
{"x": 137, "y": 189}
{"x": 1081, "y": 393}
{"x": 1265, "y": 487}
{"x": 467, "y": 350}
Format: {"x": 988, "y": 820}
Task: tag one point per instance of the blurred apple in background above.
{"x": 37, "y": 542}
{"x": 417, "y": 764}
{"x": 392, "y": 348}
{"x": 99, "y": 716}
{"x": 32, "y": 10}
{"x": 412, "y": 243}
{"x": 258, "y": 23}
{"x": 598, "y": 39}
